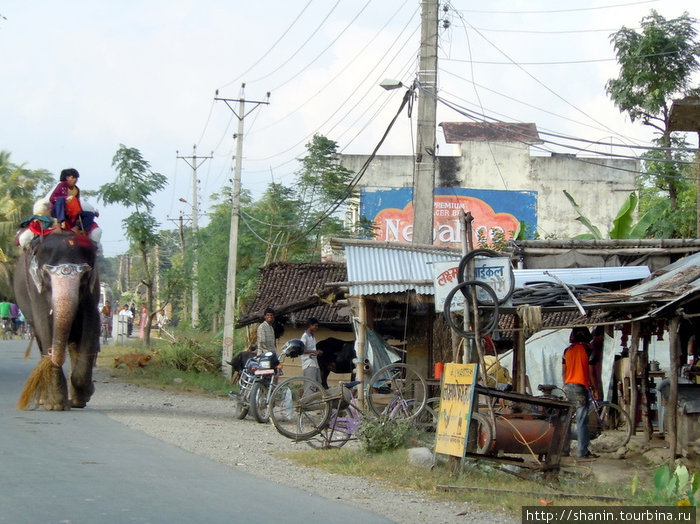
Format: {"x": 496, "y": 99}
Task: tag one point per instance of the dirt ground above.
{"x": 640, "y": 457}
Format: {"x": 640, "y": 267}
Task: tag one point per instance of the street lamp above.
{"x": 390, "y": 84}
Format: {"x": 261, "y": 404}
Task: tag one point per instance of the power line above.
{"x": 558, "y": 62}
{"x": 341, "y": 33}
{"x": 341, "y": 71}
{"x": 536, "y": 12}
{"x": 264, "y": 55}
{"x": 298, "y": 50}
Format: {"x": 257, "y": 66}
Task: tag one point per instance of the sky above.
{"x": 81, "y": 77}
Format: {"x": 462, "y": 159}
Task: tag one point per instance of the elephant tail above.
{"x": 29, "y": 347}
{"x": 37, "y": 382}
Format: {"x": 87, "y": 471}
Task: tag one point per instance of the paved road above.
{"x": 82, "y": 467}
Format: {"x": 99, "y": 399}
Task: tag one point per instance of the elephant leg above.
{"x": 54, "y": 396}
{"x": 81, "y": 385}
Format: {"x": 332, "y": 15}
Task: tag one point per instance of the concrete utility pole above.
{"x": 229, "y": 322}
{"x": 424, "y": 184}
{"x": 192, "y": 161}
{"x": 181, "y": 226}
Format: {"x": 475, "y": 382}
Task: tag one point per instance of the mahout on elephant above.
{"x": 57, "y": 286}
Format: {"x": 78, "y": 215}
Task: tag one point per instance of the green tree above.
{"x": 19, "y": 189}
{"x": 134, "y": 187}
{"x": 656, "y": 65}
{"x": 657, "y": 174}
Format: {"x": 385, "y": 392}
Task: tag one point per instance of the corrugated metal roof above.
{"x": 381, "y": 269}
{"x": 582, "y": 275}
{"x": 384, "y": 269}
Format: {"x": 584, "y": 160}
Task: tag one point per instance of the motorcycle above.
{"x": 258, "y": 380}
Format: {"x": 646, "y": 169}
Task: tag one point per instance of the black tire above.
{"x": 239, "y": 408}
{"x": 463, "y": 273}
{"x": 397, "y": 391}
{"x": 487, "y": 326}
{"x": 336, "y": 434}
{"x": 258, "y": 402}
{"x": 299, "y": 408}
{"x": 610, "y": 428}
{"x": 484, "y": 434}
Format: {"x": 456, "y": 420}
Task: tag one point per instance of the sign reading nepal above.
{"x": 391, "y": 210}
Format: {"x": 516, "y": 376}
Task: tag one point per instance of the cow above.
{"x": 238, "y": 362}
{"x": 338, "y": 356}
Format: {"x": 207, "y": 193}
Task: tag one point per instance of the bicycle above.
{"x": 302, "y": 410}
{"x": 609, "y": 425}
{"x": 7, "y": 330}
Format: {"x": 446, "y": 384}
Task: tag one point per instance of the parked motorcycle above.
{"x": 258, "y": 379}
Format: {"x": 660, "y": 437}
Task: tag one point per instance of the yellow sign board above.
{"x": 456, "y": 400}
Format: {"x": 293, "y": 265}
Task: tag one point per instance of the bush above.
{"x": 188, "y": 354}
{"x": 381, "y": 434}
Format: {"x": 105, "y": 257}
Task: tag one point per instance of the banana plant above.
{"x": 623, "y": 225}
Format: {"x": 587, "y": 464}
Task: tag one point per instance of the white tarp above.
{"x": 543, "y": 354}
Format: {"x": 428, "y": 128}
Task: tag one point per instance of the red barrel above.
{"x": 437, "y": 370}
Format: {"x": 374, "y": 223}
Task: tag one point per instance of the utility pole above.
{"x": 241, "y": 112}
{"x": 181, "y": 226}
{"x": 195, "y": 162}
{"x": 424, "y": 184}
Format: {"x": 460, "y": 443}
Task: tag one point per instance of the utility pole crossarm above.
{"x": 242, "y": 102}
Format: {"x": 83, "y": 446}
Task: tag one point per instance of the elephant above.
{"x": 57, "y": 288}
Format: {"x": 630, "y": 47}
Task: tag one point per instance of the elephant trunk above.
{"x": 65, "y": 295}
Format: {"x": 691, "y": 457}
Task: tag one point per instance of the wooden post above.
{"x": 672, "y": 406}
{"x": 634, "y": 346}
{"x": 646, "y": 410}
{"x": 361, "y": 349}
{"x": 517, "y": 325}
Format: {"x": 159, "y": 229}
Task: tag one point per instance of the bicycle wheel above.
{"x": 299, "y": 408}
{"x": 337, "y": 432}
{"x": 397, "y": 391}
{"x": 610, "y": 428}
{"x": 258, "y": 402}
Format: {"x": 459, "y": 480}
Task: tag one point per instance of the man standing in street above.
{"x": 309, "y": 362}
{"x": 266, "y": 333}
{"x": 577, "y": 373}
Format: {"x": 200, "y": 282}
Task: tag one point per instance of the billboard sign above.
{"x": 497, "y": 215}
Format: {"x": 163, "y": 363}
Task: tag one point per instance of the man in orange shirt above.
{"x": 577, "y": 372}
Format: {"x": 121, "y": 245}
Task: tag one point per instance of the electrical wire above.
{"x": 341, "y": 71}
{"x": 347, "y": 100}
{"x": 558, "y": 62}
{"x": 351, "y": 186}
{"x": 559, "y": 10}
{"x": 296, "y": 19}
{"x": 466, "y": 23}
{"x": 315, "y": 59}
{"x": 298, "y": 50}
{"x": 483, "y": 118}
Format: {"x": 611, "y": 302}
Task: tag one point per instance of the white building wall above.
{"x": 599, "y": 185}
